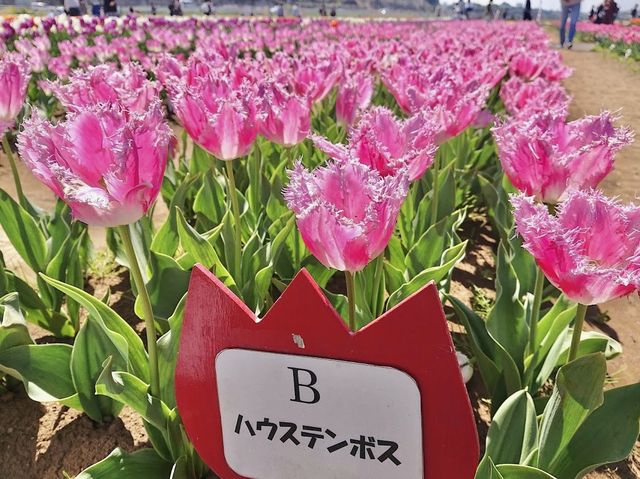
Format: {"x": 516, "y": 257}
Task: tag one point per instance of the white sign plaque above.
{"x": 297, "y": 417}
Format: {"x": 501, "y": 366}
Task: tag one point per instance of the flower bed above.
{"x": 620, "y": 39}
{"x": 354, "y": 149}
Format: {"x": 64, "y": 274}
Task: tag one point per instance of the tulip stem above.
{"x": 434, "y": 196}
{"x": 577, "y": 331}
{"x": 377, "y": 285}
{"x": 256, "y": 190}
{"x": 14, "y": 169}
{"x": 535, "y": 310}
{"x": 351, "y": 298}
{"x": 235, "y": 205}
{"x": 147, "y": 309}
{"x": 290, "y": 154}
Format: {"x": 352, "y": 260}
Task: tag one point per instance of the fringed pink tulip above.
{"x": 106, "y": 163}
{"x": 285, "y": 118}
{"x": 387, "y": 144}
{"x": 354, "y": 96}
{"x": 14, "y": 78}
{"x": 346, "y": 212}
{"x": 533, "y": 98}
{"x": 106, "y": 84}
{"x": 545, "y": 157}
{"x": 314, "y": 77}
{"x": 531, "y": 65}
{"x": 218, "y": 117}
{"x": 590, "y": 251}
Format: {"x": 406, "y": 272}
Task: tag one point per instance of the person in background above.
{"x": 489, "y": 12}
{"x": 175, "y": 8}
{"x": 607, "y": 13}
{"x": 468, "y": 10}
{"x": 295, "y": 10}
{"x": 332, "y": 13}
{"x": 154, "y": 10}
{"x": 570, "y": 11}
{"x": 96, "y": 6}
{"x": 526, "y": 15}
{"x": 592, "y": 13}
{"x": 110, "y": 8}
{"x": 634, "y": 11}
{"x": 72, "y": 8}
{"x": 207, "y": 7}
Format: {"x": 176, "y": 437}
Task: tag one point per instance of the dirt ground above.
{"x": 46, "y": 441}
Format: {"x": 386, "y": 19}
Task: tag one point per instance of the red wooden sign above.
{"x": 412, "y": 337}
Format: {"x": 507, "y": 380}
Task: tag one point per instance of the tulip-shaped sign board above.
{"x": 296, "y": 395}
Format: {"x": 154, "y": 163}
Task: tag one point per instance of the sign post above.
{"x": 297, "y": 395}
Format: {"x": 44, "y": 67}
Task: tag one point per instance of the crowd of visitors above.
{"x": 605, "y": 13}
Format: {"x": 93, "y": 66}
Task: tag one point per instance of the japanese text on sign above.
{"x": 286, "y": 416}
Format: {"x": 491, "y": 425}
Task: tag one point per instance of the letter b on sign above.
{"x": 303, "y": 382}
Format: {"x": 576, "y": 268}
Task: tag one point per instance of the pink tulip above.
{"x": 217, "y": 116}
{"x": 455, "y": 94}
{"x": 544, "y": 157}
{"x": 106, "y": 163}
{"x": 532, "y": 98}
{"x": 591, "y": 250}
{"x": 531, "y": 65}
{"x": 354, "y": 95}
{"x": 346, "y": 212}
{"x": 314, "y": 78}
{"x": 14, "y": 78}
{"x": 107, "y": 84}
{"x": 387, "y": 144}
{"x": 285, "y": 118}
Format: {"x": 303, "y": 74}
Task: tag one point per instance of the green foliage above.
{"x": 580, "y": 429}
{"x": 122, "y": 465}
{"x": 51, "y": 244}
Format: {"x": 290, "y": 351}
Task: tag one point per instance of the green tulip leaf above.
{"x": 513, "y": 433}
{"x": 110, "y": 322}
{"x": 577, "y": 393}
{"x": 607, "y": 435}
{"x": 23, "y": 232}
{"x": 90, "y": 349}
{"x": 45, "y": 371}
{"x": 144, "y": 463}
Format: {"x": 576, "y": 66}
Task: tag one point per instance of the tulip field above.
{"x": 376, "y": 155}
{"x": 619, "y": 39}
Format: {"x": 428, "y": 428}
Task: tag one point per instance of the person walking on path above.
{"x": 571, "y": 11}
{"x": 72, "y": 8}
{"x": 526, "y": 15}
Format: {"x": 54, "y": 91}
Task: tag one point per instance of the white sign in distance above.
{"x": 298, "y": 417}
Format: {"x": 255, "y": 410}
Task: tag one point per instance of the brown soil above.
{"x": 46, "y": 441}
{"x": 43, "y": 441}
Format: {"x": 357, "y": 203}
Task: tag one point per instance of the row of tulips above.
{"x": 352, "y": 149}
{"x": 585, "y": 246}
{"x": 619, "y": 39}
